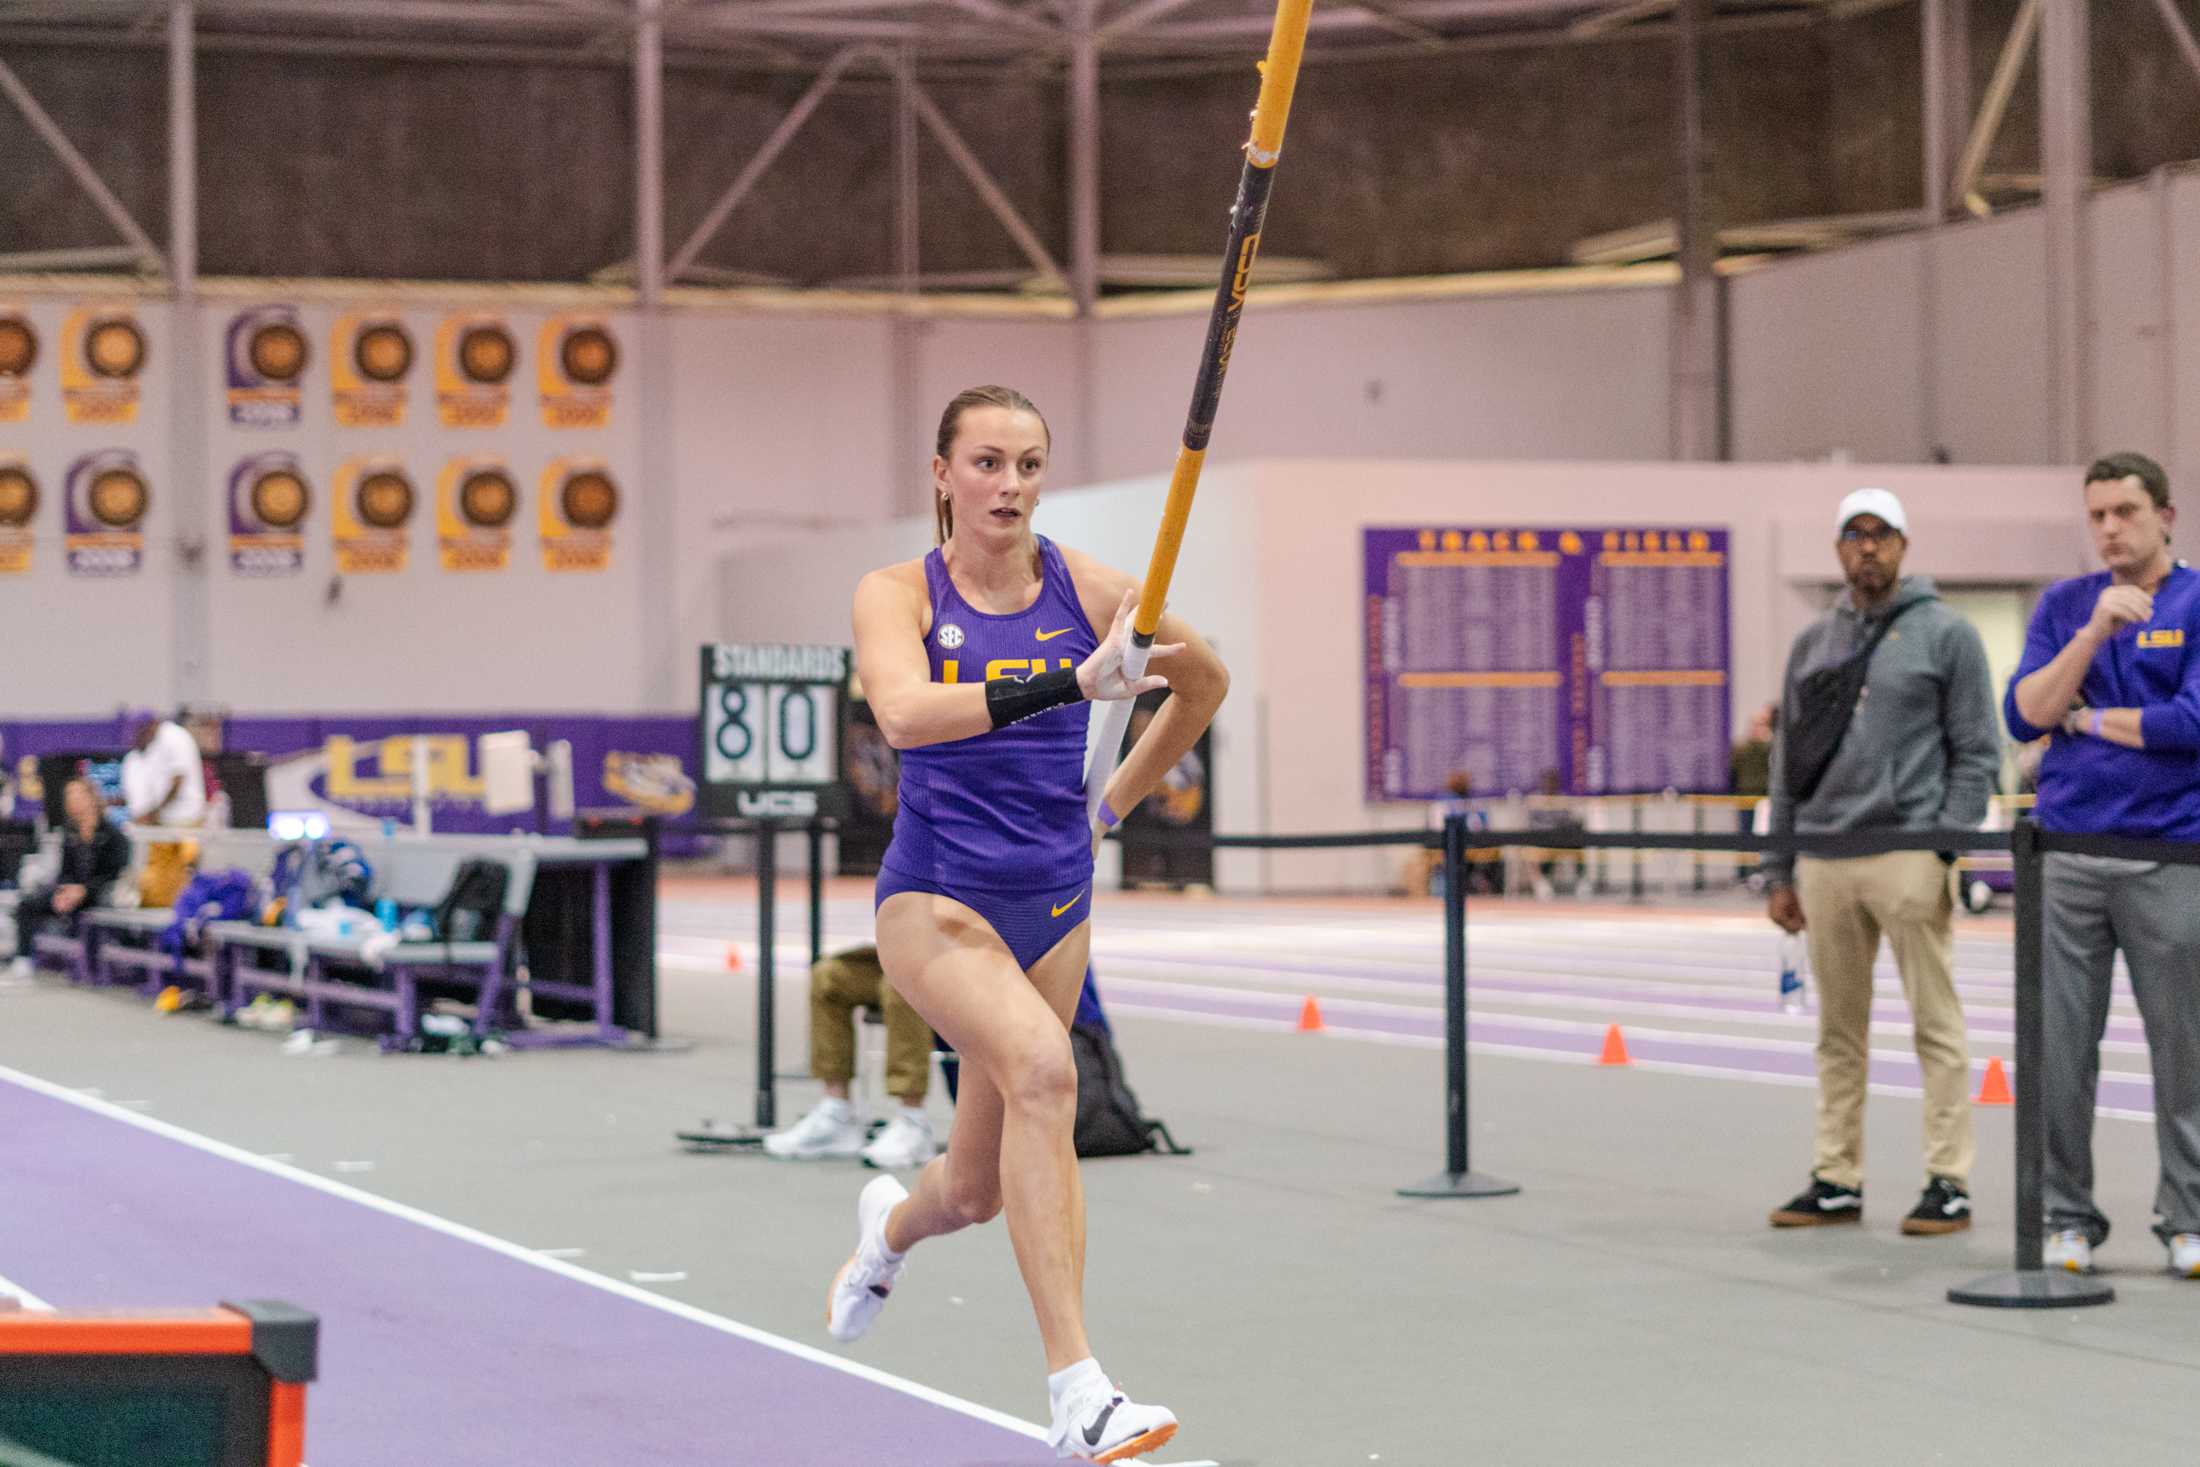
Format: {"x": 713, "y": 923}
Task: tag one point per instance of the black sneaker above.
{"x": 1944, "y": 1208}
{"x": 1819, "y": 1204}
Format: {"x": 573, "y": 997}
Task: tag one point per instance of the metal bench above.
{"x": 127, "y": 946}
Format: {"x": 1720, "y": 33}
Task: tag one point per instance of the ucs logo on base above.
{"x": 776, "y": 804}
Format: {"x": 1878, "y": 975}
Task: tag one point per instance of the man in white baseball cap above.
{"x": 1887, "y": 723}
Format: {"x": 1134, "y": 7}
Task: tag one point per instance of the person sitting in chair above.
{"x": 94, "y": 855}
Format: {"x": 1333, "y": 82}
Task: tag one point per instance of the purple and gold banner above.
{"x": 18, "y": 354}
{"x": 370, "y": 509}
{"x": 18, "y": 515}
{"x": 268, "y": 502}
{"x": 579, "y": 501}
{"x": 575, "y": 359}
{"x": 105, "y": 497}
{"x": 1564, "y": 661}
{"x": 103, "y": 350}
{"x": 476, "y": 502}
{"x": 475, "y": 356}
{"x": 372, "y": 354}
{"x": 264, "y": 361}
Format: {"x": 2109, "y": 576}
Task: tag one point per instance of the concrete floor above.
{"x": 1629, "y": 1305}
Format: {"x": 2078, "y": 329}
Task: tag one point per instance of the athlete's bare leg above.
{"x": 1011, "y": 1148}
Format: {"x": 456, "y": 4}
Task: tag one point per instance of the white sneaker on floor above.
{"x": 860, "y": 1288}
{"x": 906, "y": 1142}
{"x": 2184, "y": 1255}
{"x": 830, "y": 1129}
{"x": 20, "y": 969}
{"x": 2069, "y": 1249}
{"x": 1104, "y": 1425}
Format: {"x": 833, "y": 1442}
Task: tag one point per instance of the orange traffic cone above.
{"x": 1994, "y": 1088}
{"x": 733, "y": 960}
{"x": 1615, "y": 1048}
{"x": 1310, "y": 1017}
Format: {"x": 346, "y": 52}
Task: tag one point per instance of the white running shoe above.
{"x": 1104, "y": 1425}
{"x": 860, "y": 1288}
{"x": 2184, "y": 1255}
{"x": 830, "y": 1129}
{"x": 906, "y": 1142}
{"x": 2069, "y": 1249}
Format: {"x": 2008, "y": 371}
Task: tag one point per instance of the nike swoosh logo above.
{"x": 1073, "y": 901}
{"x": 1050, "y": 636}
{"x": 1099, "y": 1425}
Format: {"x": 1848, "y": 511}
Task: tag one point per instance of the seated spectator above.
{"x": 94, "y": 855}
{"x": 839, "y": 985}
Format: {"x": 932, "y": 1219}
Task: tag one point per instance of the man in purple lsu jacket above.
{"x": 2110, "y": 671}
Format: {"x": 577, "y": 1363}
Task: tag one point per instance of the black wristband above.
{"x": 1009, "y": 701}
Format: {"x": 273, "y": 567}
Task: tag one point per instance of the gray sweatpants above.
{"x": 2152, "y": 912}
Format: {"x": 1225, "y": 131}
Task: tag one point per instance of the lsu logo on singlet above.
{"x": 2163, "y": 637}
{"x": 1018, "y": 668}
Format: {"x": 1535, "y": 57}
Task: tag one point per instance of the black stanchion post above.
{"x": 767, "y": 1052}
{"x": 817, "y": 893}
{"x": 1634, "y": 853}
{"x": 1695, "y": 819}
{"x": 1456, "y": 1180}
{"x": 2029, "y": 1286}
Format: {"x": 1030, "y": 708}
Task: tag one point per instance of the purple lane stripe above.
{"x": 2118, "y": 1092}
{"x": 434, "y": 1349}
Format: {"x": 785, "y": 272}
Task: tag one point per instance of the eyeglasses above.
{"x": 1855, "y": 536}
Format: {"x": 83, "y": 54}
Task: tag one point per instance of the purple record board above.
{"x": 1516, "y": 654}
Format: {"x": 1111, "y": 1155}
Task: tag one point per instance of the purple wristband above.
{"x": 1108, "y": 818}
{"x": 2095, "y": 726}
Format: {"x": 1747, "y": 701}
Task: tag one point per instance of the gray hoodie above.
{"x": 1922, "y": 750}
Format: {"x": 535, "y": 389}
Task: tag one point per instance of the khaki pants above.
{"x": 1847, "y": 905}
{"x": 845, "y": 982}
{"x": 166, "y": 873}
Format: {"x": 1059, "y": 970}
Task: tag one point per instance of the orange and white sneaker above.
{"x": 860, "y": 1288}
{"x": 1101, "y": 1424}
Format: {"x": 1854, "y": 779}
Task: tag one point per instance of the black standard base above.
{"x": 712, "y": 1137}
{"x": 1461, "y": 1184}
{"x": 2044, "y": 1289}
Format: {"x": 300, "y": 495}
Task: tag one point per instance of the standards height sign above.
{"x": 770, "y": 729}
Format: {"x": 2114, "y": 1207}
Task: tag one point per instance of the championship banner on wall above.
{"x": 105, "y": 498}
{"x": 476, "y": 501}
{"x": 268, "y": 501}
{"x": 474, "y": 358}
{"x": 369, "y": 510}
{"x": 18, "y": 353}
{"x": 579, "y": 502}
{"x": 18, "y": 512}
{"x": 265, "y": 359}
{"x": 102, "y": 352}
{"x": 372, "y": 354}
{"x": 574, "y": 362}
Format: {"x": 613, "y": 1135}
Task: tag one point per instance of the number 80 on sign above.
{"x": 770, "y": 730}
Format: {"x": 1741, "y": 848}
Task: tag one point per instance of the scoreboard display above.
{"x": 771, "y": 732}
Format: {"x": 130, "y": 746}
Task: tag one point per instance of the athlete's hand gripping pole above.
{"x": 1279, "y": 76}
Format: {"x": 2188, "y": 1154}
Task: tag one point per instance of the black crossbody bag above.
{"x": 1824, "y": 703}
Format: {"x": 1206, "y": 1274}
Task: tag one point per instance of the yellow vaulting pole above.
{"x": 1279, "y": 75}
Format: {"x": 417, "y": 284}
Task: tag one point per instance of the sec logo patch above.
{"x": 950, "y": 636}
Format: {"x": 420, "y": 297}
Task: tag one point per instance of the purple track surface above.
{"x": 436, "y": 1349}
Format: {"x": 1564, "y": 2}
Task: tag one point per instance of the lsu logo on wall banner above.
{"x": 18, "y": 512}
{"x": 373, "y": 353}
{"x": 579, "y": 502}
{"x": 18, "y": 353}
{"x": 105, "y": 498}
{"x": 575, "y": 358}
{"x": 264, "y": 360}
{"x": 369, "y": 510}
{"x": 102, "y": 351}
{"x": 476, "y": 501}
{"x": 475, "y": 356}
{"x": 268, "y": 501}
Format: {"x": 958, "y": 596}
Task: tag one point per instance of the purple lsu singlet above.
{"x": 1005, "y": 809}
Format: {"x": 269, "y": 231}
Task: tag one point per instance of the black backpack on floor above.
{"x": 1109, "y": 1122}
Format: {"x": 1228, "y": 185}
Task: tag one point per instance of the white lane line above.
{"x": 525, "y": 1255}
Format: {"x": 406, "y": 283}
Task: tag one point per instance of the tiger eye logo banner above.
{"x": 475, "y": 356}
{"x": 105, "y": 498}
{"x": 103, "y": 350}
{"x": 579, "y": 502}
{"x": 477, "y": 501}
{"x": 18, "y": 515}
{"x": 371, "y": 356}
{"x": 268, "y": 502}
{"x": 575, "y": 360}
{"x": 18, "y": 354}
{"x": 264, "y": 362}
{"x": 370, "y": 507}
